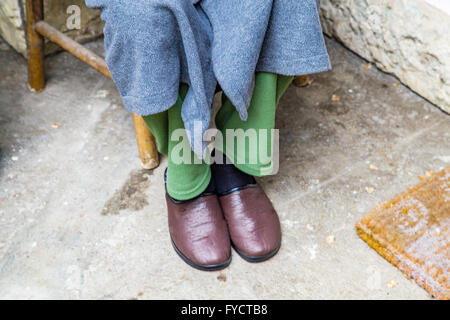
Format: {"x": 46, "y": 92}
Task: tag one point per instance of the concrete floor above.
{"x": 80, "y": 219}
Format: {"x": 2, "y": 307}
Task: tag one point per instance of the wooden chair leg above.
{"x": 146, "y": 143}
{"x": 35, "y": 46}
{"x": 302, "y": 81}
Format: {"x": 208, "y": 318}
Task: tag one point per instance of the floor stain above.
{"x": 222, "y": 277}
{"x": 131, "y": 195}
{"x": 336, "y": 108}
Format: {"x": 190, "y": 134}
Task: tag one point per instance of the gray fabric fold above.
{"x": 153, "y": 45}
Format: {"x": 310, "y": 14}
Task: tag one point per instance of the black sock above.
{"x": 228, "y": 178}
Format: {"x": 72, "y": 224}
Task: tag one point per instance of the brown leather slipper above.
{"x": 253, "y": 223}
{"x": 199, "y": 232}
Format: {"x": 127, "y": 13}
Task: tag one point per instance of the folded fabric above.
{"x": 153, "y": 45}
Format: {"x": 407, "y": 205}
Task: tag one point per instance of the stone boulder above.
{"x": 59, "y": 13}
{"x": 409, "y": 39}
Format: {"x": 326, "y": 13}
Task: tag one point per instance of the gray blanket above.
{"x": 153, "y": 45}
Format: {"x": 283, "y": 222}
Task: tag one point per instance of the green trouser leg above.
{"x": 188, "y": 180}
{"x": 252, "y": 153}
{"x": 158, "y": 124}
{"x": 187, "y": 176}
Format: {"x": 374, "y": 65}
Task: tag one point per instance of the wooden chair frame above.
{"x": 37, "y": 29}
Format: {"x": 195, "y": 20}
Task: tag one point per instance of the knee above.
{"x": 140, "y": 19}
{"x": 128, "y": 11}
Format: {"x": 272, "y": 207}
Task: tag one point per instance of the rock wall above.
{"x": 408, "y": 38}
{"x": 12, "y": 22}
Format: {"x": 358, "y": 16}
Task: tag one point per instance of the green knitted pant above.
{"x": 186, "y": 181}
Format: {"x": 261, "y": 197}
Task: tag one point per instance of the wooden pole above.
{"x": 73, "y": 47}
{"x": 146, "y": 143}
{"x": 302, "y": 81}
{"x": 35, "y": 46}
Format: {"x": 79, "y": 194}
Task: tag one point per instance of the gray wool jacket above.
{"x": 153, "y": 45}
